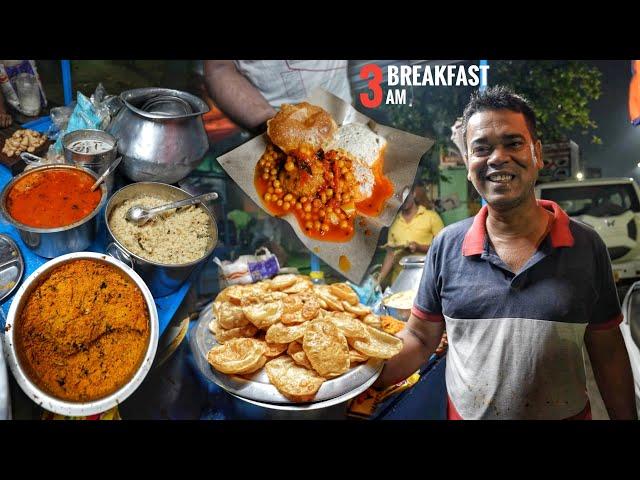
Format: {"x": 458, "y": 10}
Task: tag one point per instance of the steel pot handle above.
{"x": 114, "y": 250}
{"x": 30, "y": 158}
{"x": 114, "y": 104}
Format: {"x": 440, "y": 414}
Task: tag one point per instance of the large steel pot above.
{"x": 162, "y": 279}
{"x": 408, "y": 279}
{"x": 53, "y": 242}
{"x": 65, "y": 407}
{"x": 410, "y": 275}
{"x": 160, "y": 134}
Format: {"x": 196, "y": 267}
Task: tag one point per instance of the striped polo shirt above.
{"x": 515, "y": 340}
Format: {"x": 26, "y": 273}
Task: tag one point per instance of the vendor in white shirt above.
{"x": 250, "y": 91}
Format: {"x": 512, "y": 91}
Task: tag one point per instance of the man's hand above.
{"x": 421, "y": 338}
{"x": 5, "y": 120}
{"x": 235, "y": 95}
{"x": 414, "y": 247}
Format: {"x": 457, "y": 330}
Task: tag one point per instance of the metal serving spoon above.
{"x": 106, "y": 173}
{"x": 141, "y": 215}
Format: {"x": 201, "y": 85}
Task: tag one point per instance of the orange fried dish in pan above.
{"x": 324, "y": 174}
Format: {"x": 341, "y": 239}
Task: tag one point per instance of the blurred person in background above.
{"x": 411, "y": 233}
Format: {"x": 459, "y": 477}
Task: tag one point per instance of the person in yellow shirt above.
{"x": 411, "y": 233}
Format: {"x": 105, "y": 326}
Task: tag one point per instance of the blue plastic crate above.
{"x": 41, "y": 124}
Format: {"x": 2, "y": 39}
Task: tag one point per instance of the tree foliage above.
{"x": 561, "y": 93}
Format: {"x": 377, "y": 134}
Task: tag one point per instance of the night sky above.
{"x": 619, "y": 153}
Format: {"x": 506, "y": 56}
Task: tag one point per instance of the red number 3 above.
{"x": 374, "y": 85}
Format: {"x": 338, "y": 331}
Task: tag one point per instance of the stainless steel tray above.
{"x": 11, "y": 266}
{"x": 258, "y": 390}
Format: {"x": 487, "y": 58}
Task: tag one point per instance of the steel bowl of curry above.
{"x": 54, "y": 209}
{"x": 81, "y": 334}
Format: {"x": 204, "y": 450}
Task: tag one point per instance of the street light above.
{"x": 580, "y": 175}
{"x": 638, "y": 164}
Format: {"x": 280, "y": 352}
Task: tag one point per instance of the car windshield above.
{"x": 594, "y": 200}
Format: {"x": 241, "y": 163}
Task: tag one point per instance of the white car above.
{"x": 630, "y": 329}
{"x": 612, "y": 207}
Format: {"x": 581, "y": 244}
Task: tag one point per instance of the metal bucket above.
{"x": 98, "y": 162}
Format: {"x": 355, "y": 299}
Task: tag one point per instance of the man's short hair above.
{"x": 499, "y": 98}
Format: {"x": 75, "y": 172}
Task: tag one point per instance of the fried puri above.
{"x": 356, "y": 357}
{"x": 238, "y": 356}
{"x": 344, "y": 292}
{"x": 301, "y": 124}
{"x": 378, "y": 344}
{"x": 280, "y": 333}
{"x": 224, "y": 335}
{"x": 326, "y": 348}
{"x": 297, "y": 383}
{"x": 349, "y": 326}
{"x": 323, "y": 329}
{"x": 230, "y": 316}
{"x": 263, "y": 315}
{"x": 296, "y": 352}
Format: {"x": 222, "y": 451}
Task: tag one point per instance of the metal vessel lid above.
{"x": 412, "y": 261}
{"x": 135, "y": 100}
{"x": 167, "y": 105}
{"x": 11, "y": 266}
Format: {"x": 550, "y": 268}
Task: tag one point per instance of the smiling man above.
{"x": 522, "y": 288}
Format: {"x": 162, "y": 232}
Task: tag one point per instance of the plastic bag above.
{"x": 248, "y": 268}
{"x": 59, "y": 120}
{"x": 84, "y": 116}
{"x": 101, "y": 107}
{"x": 60, "y": 116}
{"x": 368, "y": 291}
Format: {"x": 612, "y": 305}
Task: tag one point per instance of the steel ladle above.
{"x": 141, "y": 215}
{"x": 106, "y": 173}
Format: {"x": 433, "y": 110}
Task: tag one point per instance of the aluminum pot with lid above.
{"x": 160, "y": 134}
{"x": 162, "y": 279}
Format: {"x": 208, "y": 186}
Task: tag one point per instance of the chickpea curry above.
{"x": 320, "y": 188}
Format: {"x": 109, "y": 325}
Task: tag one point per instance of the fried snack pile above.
{"x": 303, "y": 334}
{"x": 323, "y": 174}
{"x": 23, "y": 141}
